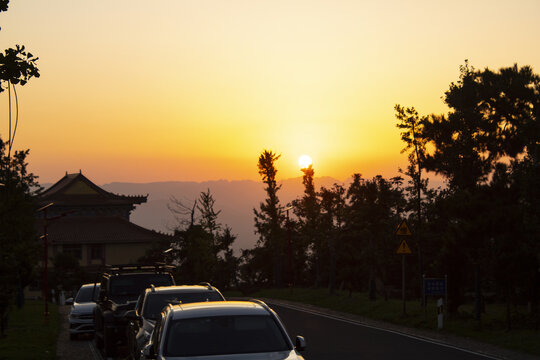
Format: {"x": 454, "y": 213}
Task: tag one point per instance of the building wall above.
{"x": 112, "y": 253}
{"x": 123, "y": 211}
{"x": 125, "y": 253}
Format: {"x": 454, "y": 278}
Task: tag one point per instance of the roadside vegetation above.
{"x": 28, "y": 335}
{"x": 491, "y": 330}
{"x": 479, "y": 229}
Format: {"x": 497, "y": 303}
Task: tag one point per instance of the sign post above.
{"x": 436, "y": 287}
{"x": 403, "y": 250}
{"x": 440, "y": 314}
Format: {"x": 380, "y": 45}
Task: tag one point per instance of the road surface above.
{"x": 330, "y": 337}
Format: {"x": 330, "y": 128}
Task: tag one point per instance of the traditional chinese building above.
{"x": 92, "y": 224}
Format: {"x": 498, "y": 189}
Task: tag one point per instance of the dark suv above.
{"x": 121, "y": 285}
{"x": 151, "y": 303}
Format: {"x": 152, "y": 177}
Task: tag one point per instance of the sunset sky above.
{"x": 146, "y": 91}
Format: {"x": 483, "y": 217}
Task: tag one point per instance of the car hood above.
{"x": 83, "y": 308}
{"x": 278, "y": 355}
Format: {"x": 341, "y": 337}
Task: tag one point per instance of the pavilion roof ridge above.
{"x": 59, "y": 189}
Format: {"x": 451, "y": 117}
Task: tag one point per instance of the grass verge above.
{"x": 28, "y": 335}
{"x": 490, "y": 330}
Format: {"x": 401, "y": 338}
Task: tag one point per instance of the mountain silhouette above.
{"x": 235, "y": 199}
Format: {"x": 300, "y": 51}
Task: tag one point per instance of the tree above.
{"x": 227, "y": 264}
{"x": 201, "y": 246}
{"x": 17, "y": 66}
{"x": 269, "y": 217}
{"x": 209, "y": 216}
{"x": 308, "y": 211}
{"x": 180, "y": 210}
{"x": 67, "y": 273}
{"x": 493, "y": 121}
{"x": 195, "y": 254}
{"x": 332, "y": 202}
{"x": 19, "y": 246}
{"x": 411, "y": 125}
{"x": 374, "y": 211}
{"x": 524, "y": 177}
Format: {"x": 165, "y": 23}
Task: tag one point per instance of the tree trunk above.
{"x": 332, "y": 275}
{"x": 477, "y": 294}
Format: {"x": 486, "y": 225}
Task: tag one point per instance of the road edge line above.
{"x": 359, "y": 323}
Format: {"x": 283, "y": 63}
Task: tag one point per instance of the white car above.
{"x": 151, "y": 303}
{"x": 81, "y": 316}
{"x": 238, "y": 330}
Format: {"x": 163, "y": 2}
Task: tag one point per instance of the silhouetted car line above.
{"x": 121, "y": 286}
{"x": 151, "y": 303}
{"x": 81, "y": 315}
{"x": 239, "y": 330}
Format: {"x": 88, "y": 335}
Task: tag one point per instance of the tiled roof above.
{"x": 77, "y": 189}
{"x": 97, "y": 230}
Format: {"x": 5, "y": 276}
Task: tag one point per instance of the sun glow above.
{"x": 304, "y": 161}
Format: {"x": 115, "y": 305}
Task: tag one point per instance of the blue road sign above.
{"x": 435, "y": 286}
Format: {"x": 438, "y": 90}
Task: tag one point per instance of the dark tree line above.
{"x": 19, "y": 248}
{"x": 481, "y": 229}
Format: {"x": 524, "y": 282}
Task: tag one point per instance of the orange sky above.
{"x": 194, "y": 90}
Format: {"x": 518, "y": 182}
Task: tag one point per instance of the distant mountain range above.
{"x": 235, "y": 199}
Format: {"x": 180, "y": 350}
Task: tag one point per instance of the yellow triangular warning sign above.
{"x": 403, "y": 229}
{"x": 403, "y": 248}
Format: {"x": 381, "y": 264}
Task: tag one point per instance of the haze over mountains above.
{"x": 235, "y": 199}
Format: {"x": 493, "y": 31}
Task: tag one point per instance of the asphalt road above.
{"x": 328, "y": 337}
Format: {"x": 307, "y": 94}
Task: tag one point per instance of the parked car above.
{"x": 151, "y": 303}
{"x": 81, "y": 315}
{"x": 121, "y": 285}
{"x": 237, "y": 330}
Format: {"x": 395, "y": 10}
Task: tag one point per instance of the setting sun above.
{"x": 304, "y": 161}
{"x": 243, "y": 76}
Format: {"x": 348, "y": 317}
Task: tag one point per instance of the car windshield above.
{"x": 85, "y": 294}
{"x": 134, "y": 284}
{"x": 221, "y": 335}
{"x": 156, "y": 302}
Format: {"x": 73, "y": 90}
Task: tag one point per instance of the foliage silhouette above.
{"x": 19, "y": 248}
{"x": 268, "y": 221}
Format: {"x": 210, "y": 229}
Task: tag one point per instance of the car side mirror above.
{"x": 300, "y": 343}
{"x": 149, "y": 352}
{"x": 69, "y": 301}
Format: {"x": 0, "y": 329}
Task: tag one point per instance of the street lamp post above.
{"x": 46, "y": 253}
{"x": 45, "y": 258}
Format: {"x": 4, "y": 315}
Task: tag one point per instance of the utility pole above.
{"x": 46, "y": 253}
{"x": 45, "y": 258}
{"x": 403, "y": 250}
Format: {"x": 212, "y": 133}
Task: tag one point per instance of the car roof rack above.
{"x": 157, "y": 267}
{"x": 262, "y": 303}
{"x": 207, "y": 284}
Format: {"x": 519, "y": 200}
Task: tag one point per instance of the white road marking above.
{"x": 354, "y": 322}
